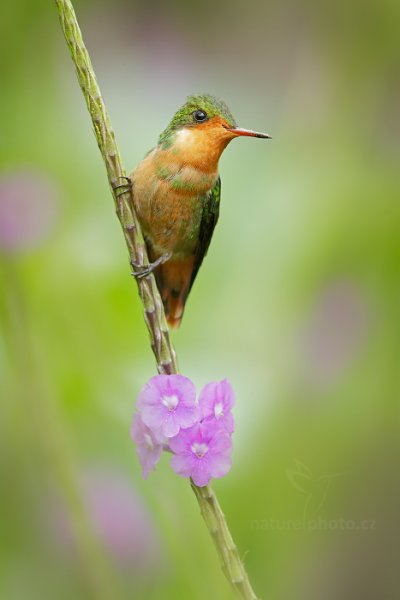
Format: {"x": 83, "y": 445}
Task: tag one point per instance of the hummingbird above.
{"x": 176, "y": 192}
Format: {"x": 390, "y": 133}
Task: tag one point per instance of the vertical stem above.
{"x": 153, "y": 307}
{"x": 231, "y": 562}
{"x": 152, "y": 304}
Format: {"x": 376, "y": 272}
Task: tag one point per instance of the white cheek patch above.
{"x": 195, "y": 158}
{"x": 185, "y": 136}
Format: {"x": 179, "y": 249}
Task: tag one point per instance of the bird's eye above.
{"x": 199, "y": 116}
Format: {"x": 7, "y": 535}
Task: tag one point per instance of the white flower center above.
{"x": 171, "y": 402}
{"x": 199, "y": 449}
{"x": 149, "y": 441}
{"x": 218, "y": 410}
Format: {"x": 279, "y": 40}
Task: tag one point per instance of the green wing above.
{"x": 208, "y": 222}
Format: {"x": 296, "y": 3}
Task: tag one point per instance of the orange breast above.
{"x": 169, "y": 204}
{"x": 171, "y": 183}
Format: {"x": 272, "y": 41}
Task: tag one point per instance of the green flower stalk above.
{"x": 154, "y": 315}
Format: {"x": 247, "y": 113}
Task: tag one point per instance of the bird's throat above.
{"x": 188, "y": 164}
{"x": 200, "y": 147}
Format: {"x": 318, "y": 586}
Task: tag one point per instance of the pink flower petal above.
{"x": 216, "y": 401}
{"x": 148, "y": 447}
{"x": 170, "y": 426}
{"x": 182, "y": 465}
{"x": 201, "y": 452}
{"x": 200, "y": 473}
{"x": 167, "y": 403}
{"x": 181, "y": 443}
{"x": 221, "y": 443}
{"x": 220, "y": 467}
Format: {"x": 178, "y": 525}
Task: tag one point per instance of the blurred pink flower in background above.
{"x": 335, "y": 331}
{"x": 119, "y": 518}
{"x": 29, "y": 206}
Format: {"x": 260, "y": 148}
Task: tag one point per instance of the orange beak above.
{"x": 248, "y": 132}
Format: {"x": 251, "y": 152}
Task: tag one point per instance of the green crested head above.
{"x": 196, "y": 110}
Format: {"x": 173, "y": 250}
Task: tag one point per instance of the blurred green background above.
{"x": 297, "y": 303}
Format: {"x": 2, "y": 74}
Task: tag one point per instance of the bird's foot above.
{"x": 141, "y": 271}
{"x": 123, "y": 188}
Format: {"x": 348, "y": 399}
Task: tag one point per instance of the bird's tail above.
{"x": 174, "y": 305}
{"x": 173, "y": 281}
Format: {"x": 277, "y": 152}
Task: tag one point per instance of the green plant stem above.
{"x": 153, "y": 307}
{"x": 154, "y": 314}
{"x": 232, "y": 564}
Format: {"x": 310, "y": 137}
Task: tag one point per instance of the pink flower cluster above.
{"x": 196, "y": 431}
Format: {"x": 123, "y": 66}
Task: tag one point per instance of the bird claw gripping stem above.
{"x": 142, "y": 271}
{"x": 123, "y": 188}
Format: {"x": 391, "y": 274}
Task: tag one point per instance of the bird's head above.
{"x": 206, "y": 121}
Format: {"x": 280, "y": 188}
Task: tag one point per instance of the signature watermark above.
{"x": 315, "y": 488}
{"x": 311, "y": 525}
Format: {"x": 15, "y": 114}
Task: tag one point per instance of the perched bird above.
{"x": 176, "y": 193}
